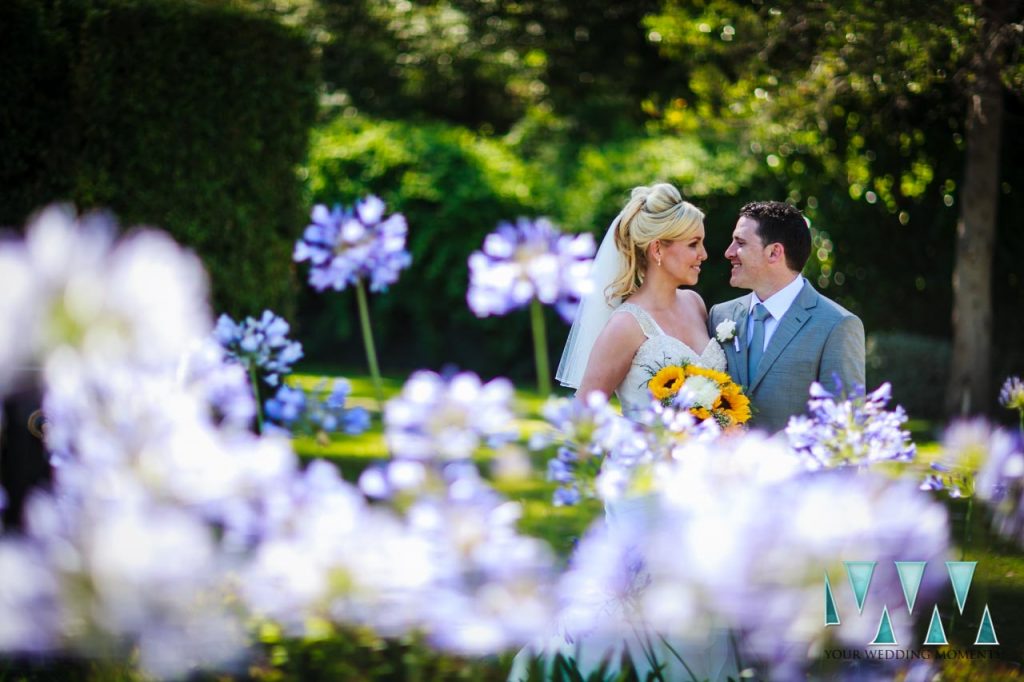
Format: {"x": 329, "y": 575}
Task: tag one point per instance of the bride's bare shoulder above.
{"x": 622, "y": 325}
{"x": 691, "y": 302}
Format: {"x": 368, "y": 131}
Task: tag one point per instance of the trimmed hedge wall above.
{"x": 35, "y": 73}
{"x": 191, "y": 117}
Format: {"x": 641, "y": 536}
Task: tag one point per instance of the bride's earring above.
{"x": 659, "y": 261}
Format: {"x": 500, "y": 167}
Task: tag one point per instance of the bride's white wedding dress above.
{"x": 658, "y": 350}
{"x": 707, "y": 658}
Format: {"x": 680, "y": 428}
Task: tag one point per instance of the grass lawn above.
{"x": 999, "y": 578}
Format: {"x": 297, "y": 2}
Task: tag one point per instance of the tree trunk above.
{"x": 969, "y": 382}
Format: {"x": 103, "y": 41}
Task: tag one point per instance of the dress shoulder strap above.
{"x": 647, "y": 324}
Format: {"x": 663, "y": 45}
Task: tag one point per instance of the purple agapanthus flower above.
{"x": 526, "y": 261}
{"x": 856, "y": 430}
{"x": 583, "y": 435}
{"x": 346, "y": 245}
{"x": 261, "y": 344}
{"x": 449, "y": 418}
{"x": 1011, "y": 396}
{"x": 293, "y": 411}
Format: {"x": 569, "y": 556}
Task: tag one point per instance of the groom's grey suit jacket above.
{"x": 815, "y": 339}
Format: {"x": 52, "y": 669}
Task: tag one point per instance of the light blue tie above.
{"x": 756, "y": 341}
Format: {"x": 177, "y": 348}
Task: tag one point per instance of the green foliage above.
{"x": 485, "y": 64}
{"x": 193, "y": 118}
{"x": 359, "y": 655}
{"x": 917, "y": 366}
{"x": 186, "y": 116}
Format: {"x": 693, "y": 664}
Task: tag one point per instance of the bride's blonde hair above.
{"x": 652, "y": 213}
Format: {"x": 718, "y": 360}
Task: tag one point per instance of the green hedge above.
{"x": 917, "y": 366}
{"x": 185, "y": 115}
{"x": 195, "y": 118}
{"x": 35, "y": 72}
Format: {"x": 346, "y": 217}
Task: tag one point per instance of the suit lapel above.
{"x": 789, "y": 325}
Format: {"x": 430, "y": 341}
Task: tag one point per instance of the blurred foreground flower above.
{"x": 583, "y": 433}
{"x": 530, "y": 263}
{"x": 855, "y": 430}
{"x": 170, "y": 526}
{"x": 222, "y": 384}
{"x": 449, "y": 419}
{"x": 601, "y": 454}
{"x": 965, "y": 447}
{"x": 74, "y": 296}
{"x": 713, "y": 549}
{"x": 352, "y": 246}
{"x": 1000, "y": 482}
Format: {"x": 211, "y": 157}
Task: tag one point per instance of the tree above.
{"x": 969, "y": 384}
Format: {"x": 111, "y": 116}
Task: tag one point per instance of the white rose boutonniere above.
{"x": 725, "y": 331}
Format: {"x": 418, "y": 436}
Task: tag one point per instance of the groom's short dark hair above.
{"x": 783, "y": 223}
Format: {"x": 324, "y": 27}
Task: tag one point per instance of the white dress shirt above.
{"x": 777, "y": 304}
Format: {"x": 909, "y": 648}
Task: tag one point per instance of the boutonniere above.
{"x": 726, "y": 331}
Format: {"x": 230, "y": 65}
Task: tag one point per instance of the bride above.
{"x": 637, "y": 318}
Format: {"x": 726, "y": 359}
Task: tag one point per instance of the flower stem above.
{"x": 649, "y": 654}
{"x": 678, "y": 657}
{"x": 255, "y": 381}
{"x": 371, "y": 351}
{"x": 540, "y": 347}
{"x": 968, "y": 520}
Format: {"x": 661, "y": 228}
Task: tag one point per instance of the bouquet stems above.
{"x": 540, "y": 347}
{"x": 371, "y": 351}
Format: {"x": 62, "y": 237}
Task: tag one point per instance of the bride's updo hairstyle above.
{"x": 652, "y": 214}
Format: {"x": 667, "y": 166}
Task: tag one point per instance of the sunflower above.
{"x": 667, "y": 381}
{"x": 735, "y": 405}
{"x": 720, "y": 378}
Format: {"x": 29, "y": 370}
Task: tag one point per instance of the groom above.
{"x": 787, "y": 334}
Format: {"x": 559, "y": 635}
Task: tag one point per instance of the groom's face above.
{"x": 746, "y": 253}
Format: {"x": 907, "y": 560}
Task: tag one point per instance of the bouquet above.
{"x": 706, "y": 393}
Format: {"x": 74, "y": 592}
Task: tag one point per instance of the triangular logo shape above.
{"x": 859, "y": 574}
{"x": 911, "y": 573}
{"x": 831, "y": 611}
{"x": 961, "y": 573}
{"x": 986, "y": 631}
{"x": 936, "y": 633}
{"x": 885, "y": 635}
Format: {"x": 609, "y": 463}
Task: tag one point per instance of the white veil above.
{"x": 593, "y": 311}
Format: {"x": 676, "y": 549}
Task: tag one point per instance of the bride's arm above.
{"x": 612, "y": 355}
